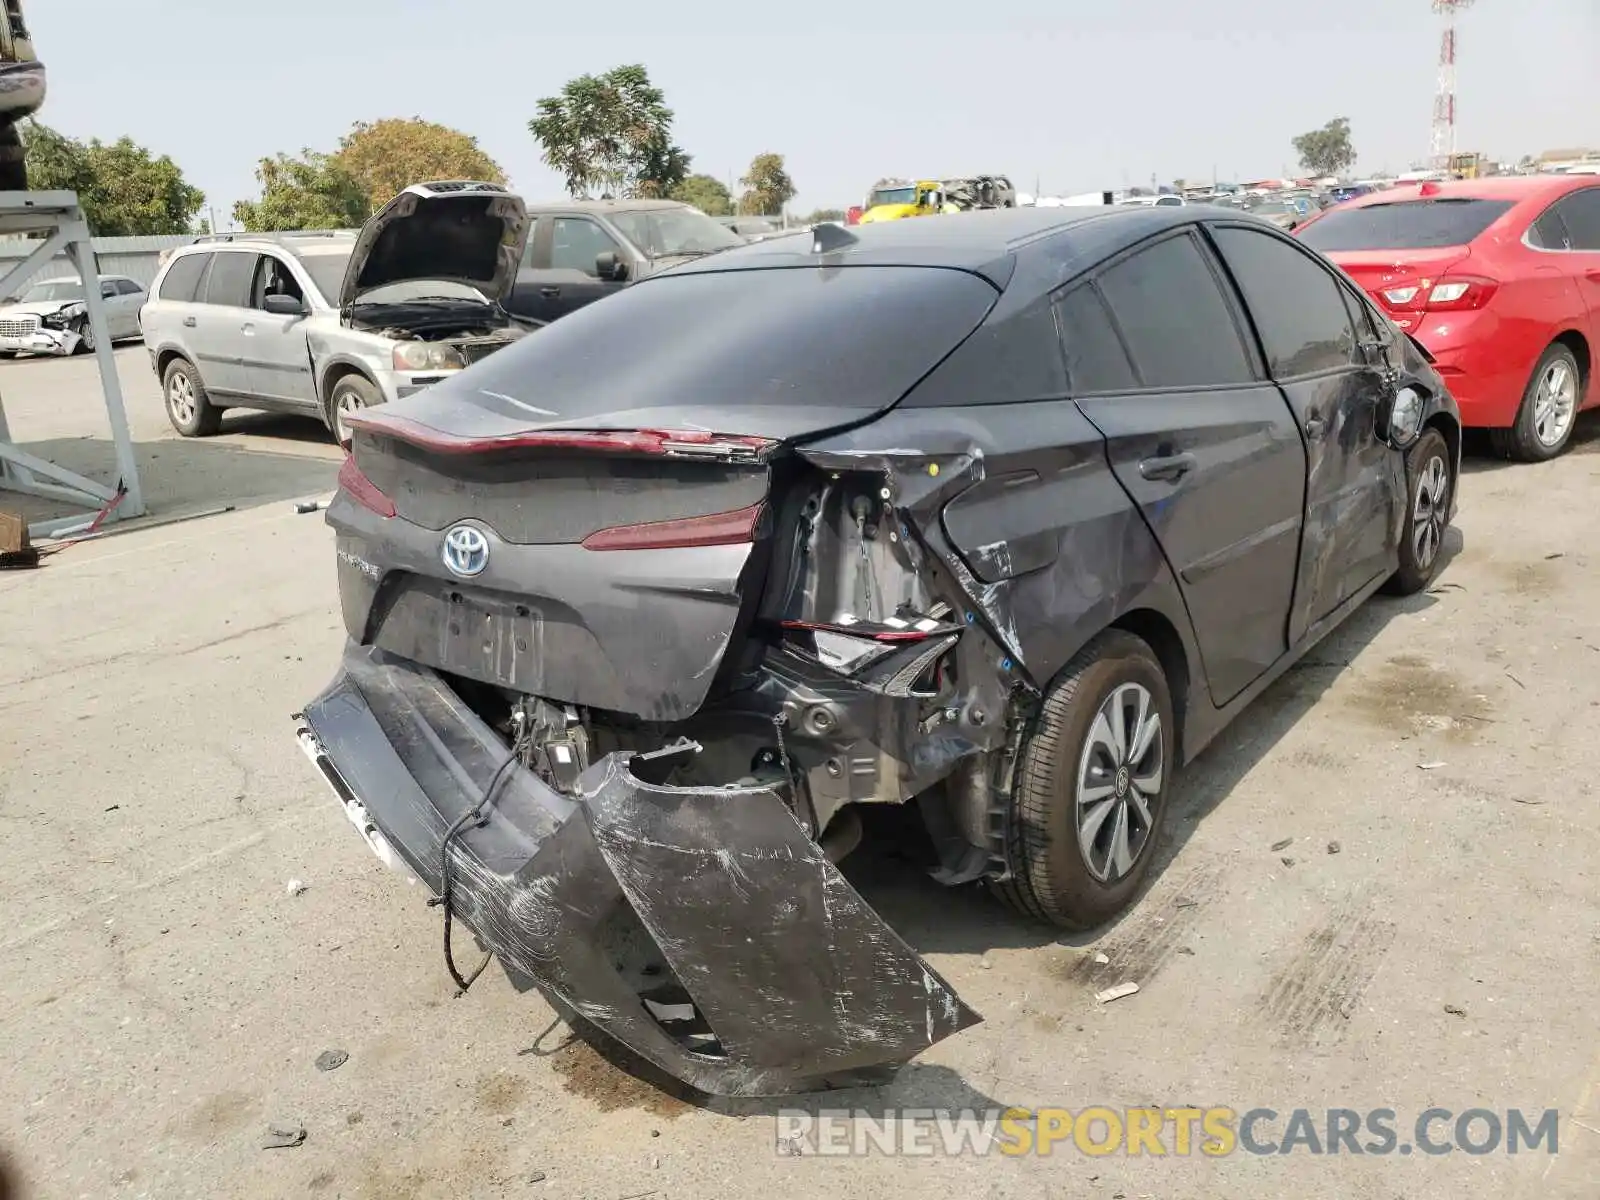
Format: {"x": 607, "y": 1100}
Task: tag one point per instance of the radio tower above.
{"x": 1444, "y": 102}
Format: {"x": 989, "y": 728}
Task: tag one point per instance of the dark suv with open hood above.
{"x": 1006, "y": 513}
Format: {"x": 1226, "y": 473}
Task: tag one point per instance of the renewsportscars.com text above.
{"x": 1215, "y": 1132}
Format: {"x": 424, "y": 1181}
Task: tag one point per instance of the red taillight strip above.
{"x": 362, "y": 490}
{"x": 715, "y": 529}
{"x": 696, "y": 443}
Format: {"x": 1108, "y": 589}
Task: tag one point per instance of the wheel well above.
{"x": 1579, "y": 345}
{"x": 1158, "y": 633}
{"x": 337, "y": 372}
{"x": 1451, "y": 432}
{"x": 165, "y": 359}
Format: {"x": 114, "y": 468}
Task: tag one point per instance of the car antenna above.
{"x": 828, "y": 237}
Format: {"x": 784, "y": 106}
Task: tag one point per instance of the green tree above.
{"x": 707, "y": 193}
{"x": 767, "y": 186}
{"x": 611, "y": 132}
{"x": 310, "y": 192}
{"x": 819, "y": 215}
{"x": 387, "y": 156}
{"x": 658, "y": 167}
{"x": 1326, "y": 151}
{"x": 125, "y": 191}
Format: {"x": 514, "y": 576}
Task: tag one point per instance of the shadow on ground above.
{"x": 180, "y": 477}
{"x": 1477, "y": 458}
{"x": 890, "y": 870}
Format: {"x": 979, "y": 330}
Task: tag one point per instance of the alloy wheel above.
{"x": 1554, "y": 403}
{"x": 346, "y": 401}
{"x": 1429, "y": 511}
{"x": 1120, "y": 775}
{"x": 180, "y": 399}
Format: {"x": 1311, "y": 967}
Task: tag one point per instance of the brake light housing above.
{"x": 714, "y": 529}
{"x": 362, "y": 490}
{"x": 652, "y": 443}
{"x": 1448, "y": 293}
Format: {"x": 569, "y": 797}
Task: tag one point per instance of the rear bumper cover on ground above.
{"x": 798, "y": 979}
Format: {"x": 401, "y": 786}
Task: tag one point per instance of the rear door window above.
{"x": 1404, "y": 225}
{"x": 1096, "y": 359}
{"x": 183, "y": 277}
{"x": 1549, "y": 232}
{"x": 1298, "y": 308}
{"x": 230, "y": 279}
{"x": 1580, "y": 216}
{"x": 1174, "y": 317}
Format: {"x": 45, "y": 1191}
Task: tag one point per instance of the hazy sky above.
{"x": 1080, "y": 95}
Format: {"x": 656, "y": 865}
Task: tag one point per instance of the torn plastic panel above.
{"x": 634, "y": 899}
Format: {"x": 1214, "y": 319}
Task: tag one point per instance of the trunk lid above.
{"x": 460, "y": 232}
{"x": 1397, "y": 278}
{"x": 618, "y": 468}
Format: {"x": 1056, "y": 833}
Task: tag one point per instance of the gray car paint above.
{"x": 987, "y": 497}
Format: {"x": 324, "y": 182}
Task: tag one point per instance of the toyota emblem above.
{"x": 466, "y": 551}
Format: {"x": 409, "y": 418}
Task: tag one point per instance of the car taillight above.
{"x": 362, "y": 490}
{"x": 1451, "y": 293}
{"x": 666, "y": 443}
{"x": 714, "y": 529}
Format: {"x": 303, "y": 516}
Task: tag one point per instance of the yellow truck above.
{"x": 892, "y": 200}
{"x": 895, "y": 199}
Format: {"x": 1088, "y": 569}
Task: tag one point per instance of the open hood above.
{"x": 462, "y": 232}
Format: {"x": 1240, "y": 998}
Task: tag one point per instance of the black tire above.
{"x": 85, "y": 338}
{"x": 1521, "y": 442}
{"x": 192, "y": 414}
{"x": 8, "y": 353}
{"x": 1052, "y": 881}
{"x": 348, "y": 391}
{"x": 1420, "y": 557}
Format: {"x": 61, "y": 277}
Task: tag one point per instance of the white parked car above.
{"x": 52, "y": 318}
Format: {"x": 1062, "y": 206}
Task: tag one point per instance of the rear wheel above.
{"x": 1430, "y": 485}
{"x": 350, "y": 394}
{"x": 1549, "y": 408}
{"x": 1092, "y": 789}
{"x": 188, "y": 407}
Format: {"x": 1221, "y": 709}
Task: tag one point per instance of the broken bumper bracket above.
{"x": 798, "y": 979}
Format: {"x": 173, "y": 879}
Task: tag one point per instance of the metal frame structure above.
{"x": 59, "y": 217}
{"x": 1442, "y": 145}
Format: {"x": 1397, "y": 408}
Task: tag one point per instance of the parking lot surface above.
{"x": 1379, "y": 890}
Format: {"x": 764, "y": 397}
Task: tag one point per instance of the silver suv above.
{"x": 329, "y": 323}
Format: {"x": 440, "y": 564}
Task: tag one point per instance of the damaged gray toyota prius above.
{"x": 1002, "y": 514}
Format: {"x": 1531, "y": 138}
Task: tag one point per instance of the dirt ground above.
{"x": 165, "y": 995}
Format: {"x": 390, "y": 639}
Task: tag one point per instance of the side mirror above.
{"x": 608, "y": 266}
{"x": 280, "y": 305}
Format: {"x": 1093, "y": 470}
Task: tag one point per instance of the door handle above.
{"x": 1167, "y": 469}
{"x": 189, "y": 322}
{"x": 1315, "y": 428}
{"x": 249, "y": 329}
{"x": 549, "y": 293}
{"x": 1595, "y": 275}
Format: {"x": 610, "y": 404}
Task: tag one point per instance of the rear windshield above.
{"x": 841, "y": 337}
{"x": 1404, "y": 225}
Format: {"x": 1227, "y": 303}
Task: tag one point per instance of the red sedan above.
{"x": 1500, "y": 279}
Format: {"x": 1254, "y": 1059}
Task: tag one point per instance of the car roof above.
{"x": 75, "y": 279}
{"x": 1514, "y": 188}
{"x": 990, "y": 242}
{"x": 612, "y": 206}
